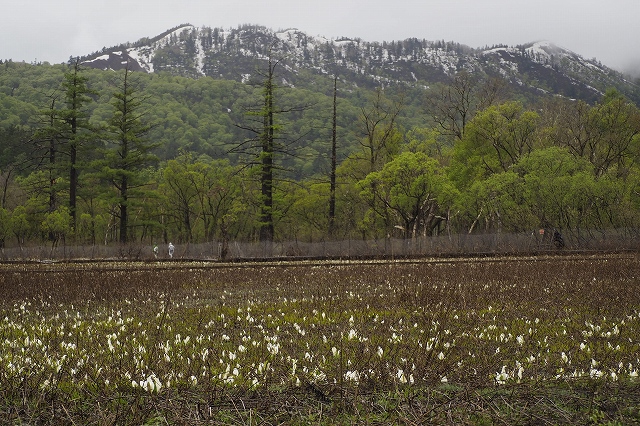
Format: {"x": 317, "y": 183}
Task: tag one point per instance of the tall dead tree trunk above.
{"x": 332, "y": 184}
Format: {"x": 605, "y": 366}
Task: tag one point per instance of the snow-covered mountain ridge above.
{"x": 534, "y": 69}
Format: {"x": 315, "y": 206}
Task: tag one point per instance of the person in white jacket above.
{"x": 171, "y": 249}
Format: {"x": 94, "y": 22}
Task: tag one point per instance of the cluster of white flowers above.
{"x": 150, "y": 384}
{"x": 256, "y": 344}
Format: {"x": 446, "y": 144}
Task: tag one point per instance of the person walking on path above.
{"x": 171, "y": 249}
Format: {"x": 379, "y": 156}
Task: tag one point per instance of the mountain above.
{"x": 532, "y": 70}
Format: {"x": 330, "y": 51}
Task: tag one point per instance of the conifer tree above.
{"x": 75, "y": 129}
{"x": 265, "y": 145}
{"x": 46, "y": 146}
{"x": 127, "y": 151}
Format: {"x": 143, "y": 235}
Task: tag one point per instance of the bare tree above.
{"x": 379, "y": 125}
{"x": 332, "y": 184}
{"x": 453, "y": 106}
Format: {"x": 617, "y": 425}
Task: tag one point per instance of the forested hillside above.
{"x": 530, "y": 70}
{"x": 98, "y": 157}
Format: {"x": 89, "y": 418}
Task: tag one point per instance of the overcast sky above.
{"x": 54, "y": 30}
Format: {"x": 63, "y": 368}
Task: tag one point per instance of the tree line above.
{"x": 100, "y": 164}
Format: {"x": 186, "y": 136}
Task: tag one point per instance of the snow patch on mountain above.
{"x": 233, "y": 53}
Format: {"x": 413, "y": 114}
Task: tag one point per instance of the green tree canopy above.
{"x": 409, "y": 190}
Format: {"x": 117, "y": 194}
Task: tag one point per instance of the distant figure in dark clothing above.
{"x": 558, "y": 241}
